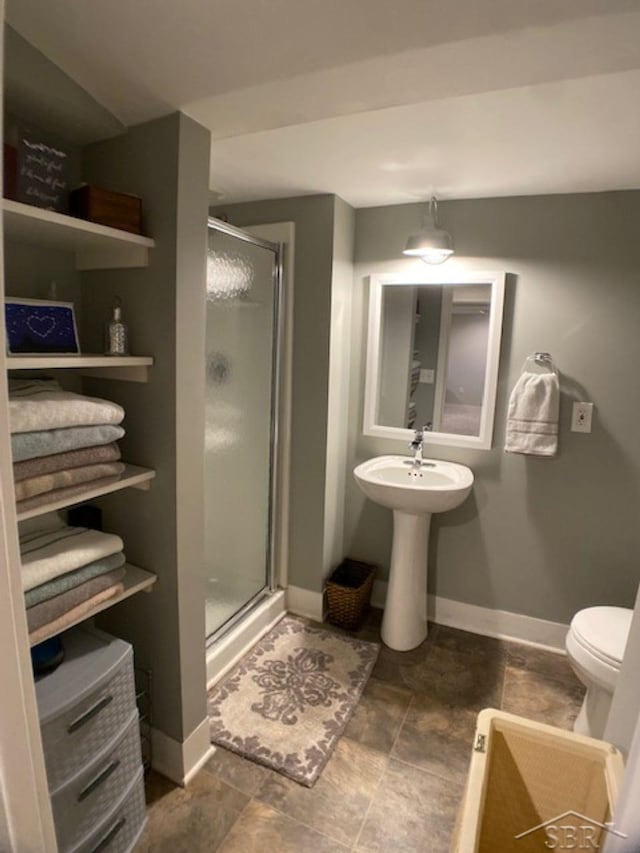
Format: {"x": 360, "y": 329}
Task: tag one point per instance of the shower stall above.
{"x": 244, "y": 320}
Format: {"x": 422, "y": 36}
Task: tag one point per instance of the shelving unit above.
{"x": 133, "y": 477}
{"x": 130, "y": 368}
{"x": 94, "y": 246}
{"x": 135, "y": 580}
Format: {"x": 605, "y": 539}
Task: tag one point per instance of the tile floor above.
{"x": 395, "y": 780}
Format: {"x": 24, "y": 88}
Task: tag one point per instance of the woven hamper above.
{"x": 533, "y": 787}
{"x": 349, "y": 592}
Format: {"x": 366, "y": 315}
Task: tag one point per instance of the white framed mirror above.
{"x": 432, "y": 356}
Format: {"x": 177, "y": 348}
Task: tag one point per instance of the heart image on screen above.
{"x": 41, "y": 326}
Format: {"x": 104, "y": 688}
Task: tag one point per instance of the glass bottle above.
{"x": 116, "y": 332}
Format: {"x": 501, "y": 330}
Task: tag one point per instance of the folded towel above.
{"x": 64, "y": 583}
{"x": 65, "y": 461}
{"x": 532, "y": 419}
{"x": 62, "y": 479}
{"x": 29, "y": 445}
{"x": 75, "y": 615}
{"x": 64, "y": 494}
{"x": 41, "y": 404}
{"x": 49, "y": 554}
{"x": 47, "y": 611}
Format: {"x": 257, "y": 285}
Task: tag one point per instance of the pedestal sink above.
{"x": 413, "y": 493}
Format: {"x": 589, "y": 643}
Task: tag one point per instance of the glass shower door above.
{"x": 243, "y": 290}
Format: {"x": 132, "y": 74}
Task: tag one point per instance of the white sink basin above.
{"x": 413, "y": 494}
{"x": 394, "y": 482}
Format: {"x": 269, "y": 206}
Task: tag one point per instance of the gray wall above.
{"x": 426, "y": 342}
{"x": 314, "y": 223}
{"x": 542, "y": 537}
{"x": 467, "y": 358}
{"x": 344, "y": 227}
{"x": 166, "y": 163}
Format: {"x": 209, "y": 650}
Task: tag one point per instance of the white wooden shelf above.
{"x": 131, "y": 368}
{"x": 135, "y": 580}
{"x": 95, "y": 246}
{"x": 133, "y": 476}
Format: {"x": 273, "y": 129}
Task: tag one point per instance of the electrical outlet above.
{"x": 581, "y": 416}
{"x": 427, "y": 376}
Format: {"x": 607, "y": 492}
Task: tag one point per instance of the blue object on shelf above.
{"x": 47, "y": 656}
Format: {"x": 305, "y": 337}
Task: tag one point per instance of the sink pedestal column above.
{"x": 404, "y": 624}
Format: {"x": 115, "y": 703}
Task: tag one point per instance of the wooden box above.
{"x": 117, "y": 210}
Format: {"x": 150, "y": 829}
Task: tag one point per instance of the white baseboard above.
{"x": 304, "y": 602}
{"x": 227, "y": 651}
{"x": 181, "y": 761}
{"x": 491, "y": 623}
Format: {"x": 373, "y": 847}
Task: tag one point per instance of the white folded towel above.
{"x": 532, "y": 419}
{"x": 47, "y": 553}
{"x": 37, "y": 404}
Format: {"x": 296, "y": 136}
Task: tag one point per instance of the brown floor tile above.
{"x": 378, "y": 715}
{"x": 547, "y": 664}
{"x": 239, "y": 772}
{"x": 437, "y": 737}
{"x": 261, "y": 829}
{"x": 194, "y": 819}
{"x": 531, "y": 695}
{"x": 337, "y": 803}
{"x": 464, "y": 642}
{"x": 412, "y": 812}
{"x": 466, "y": 679}
{"x": 397, "y": 667}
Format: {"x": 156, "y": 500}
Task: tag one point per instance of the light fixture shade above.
{"x": 433, "y": 244}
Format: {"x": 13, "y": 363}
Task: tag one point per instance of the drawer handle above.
{"x": 80, "y": 721}
{"x": 111, "y": 834}
{"x": 102, "y": 776}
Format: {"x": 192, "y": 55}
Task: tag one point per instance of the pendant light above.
{"x": 432, "y": 244}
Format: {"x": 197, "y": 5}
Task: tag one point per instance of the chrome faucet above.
{"x": 416, "y": 447}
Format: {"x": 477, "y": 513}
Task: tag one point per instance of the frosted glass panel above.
{"x": 240, "y": 339}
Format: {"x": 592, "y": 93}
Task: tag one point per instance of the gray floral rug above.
{"x": 287, "y": 702}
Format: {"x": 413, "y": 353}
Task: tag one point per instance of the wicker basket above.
{"x": 348, "y": 593}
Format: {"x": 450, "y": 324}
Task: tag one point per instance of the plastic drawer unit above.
{"x": 91, "y": 741}
{"x": 121, "y": 829}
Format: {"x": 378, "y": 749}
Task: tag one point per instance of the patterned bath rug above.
{"x": 287, "y": 702}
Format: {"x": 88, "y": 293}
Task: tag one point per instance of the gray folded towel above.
{"x": 47, "y": 611}
{"x": 65, "y": 461}
{"x": 47, "y": 483}
{"x": 64, "y": 494}
{"x": 57, "y": 549}
{"x": 38, "y": 404}
{"x": 77, "y": 614}
{"x": 72, "y": 579}
{"x": 29, "y": 445}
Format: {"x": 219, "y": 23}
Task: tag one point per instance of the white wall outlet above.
{"x": 581, "y": 416}
{"x": 427, "y": 376}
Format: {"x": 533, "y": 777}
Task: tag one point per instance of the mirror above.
{"x": 432, "y": 357}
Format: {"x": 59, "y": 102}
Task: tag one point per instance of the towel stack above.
{"x": 62, "y": 442}
{"x": 66, "y": 572}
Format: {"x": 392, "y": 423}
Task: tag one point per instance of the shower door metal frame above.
{"x": 277, "y": 345}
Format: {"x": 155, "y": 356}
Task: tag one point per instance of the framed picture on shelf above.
{"x": 40, "y": 327}
{"x": 42, "y": 170}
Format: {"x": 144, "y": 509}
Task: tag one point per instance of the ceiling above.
{"x": 380, "y": 103}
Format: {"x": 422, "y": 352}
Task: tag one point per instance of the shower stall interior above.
{"x": 244, "y": 309}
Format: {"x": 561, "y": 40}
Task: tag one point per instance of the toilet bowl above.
{"x": 595, "y": 647}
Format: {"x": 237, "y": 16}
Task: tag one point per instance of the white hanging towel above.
{"x": 532, "y": 419}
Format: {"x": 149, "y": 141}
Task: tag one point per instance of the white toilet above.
{"x": 595, "y": 646}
